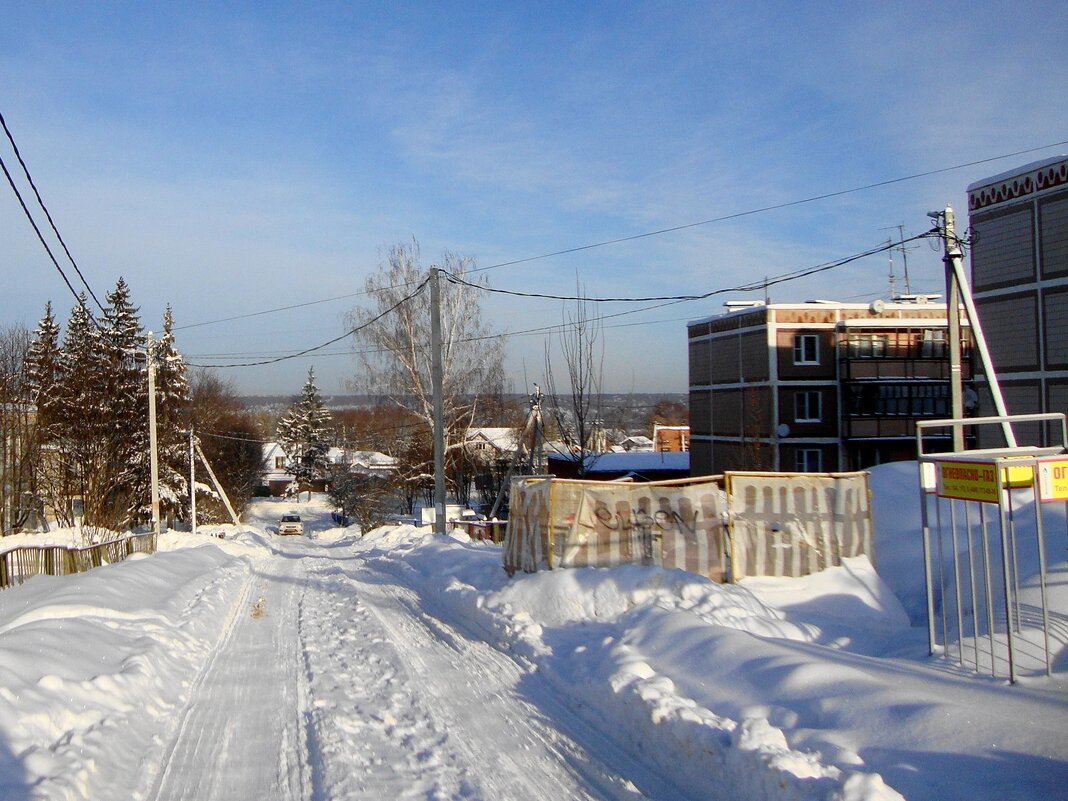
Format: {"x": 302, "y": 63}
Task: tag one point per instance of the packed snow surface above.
{"x": 407, "y": 666}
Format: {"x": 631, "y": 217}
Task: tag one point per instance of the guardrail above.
{"x": 21, "y": 564}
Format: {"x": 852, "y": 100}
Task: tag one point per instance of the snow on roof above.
{"x": 1015, "y": 171}
{"x": 502, "y": 438}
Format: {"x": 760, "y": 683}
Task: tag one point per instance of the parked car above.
{"x": 291, "y": 524}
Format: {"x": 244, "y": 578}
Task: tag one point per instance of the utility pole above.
{"x": 439, "y": 410}
{"x": 153, "y": 449}
{"x": 957, "y": 292}
{"x": 192, "y": 483}
{"x": 951, "y": 259}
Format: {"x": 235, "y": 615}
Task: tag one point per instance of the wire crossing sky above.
{"x": 251, "y": 165}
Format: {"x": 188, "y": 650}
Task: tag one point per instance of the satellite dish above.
{"x": 877, "y": 306}
{"x": 782, "y": 430}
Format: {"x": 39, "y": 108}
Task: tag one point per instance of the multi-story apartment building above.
{"x": 817, "y": 386}
{"x": 1019, "y": 257}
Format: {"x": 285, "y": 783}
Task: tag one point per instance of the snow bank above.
{"x": 772, "y": 689}
{"x": 607, "y": 671}
{"x": 93, "y": 667}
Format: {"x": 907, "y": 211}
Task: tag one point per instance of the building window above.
{"x": 806, "y": 349}
{"x": 808, "y": 460}
{"x": 933, "y": 345}
{"x": 898, "y": 400}
{"x": 279, "y": 462}
{"x": 867, "y": 346}
{"x": 807, "y": 407}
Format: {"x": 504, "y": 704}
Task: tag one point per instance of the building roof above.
{"x": 631, "y": 461}
{"x": 502, "y": 438}
{"x": 885, "y": 307}
{"x": 1017, "y": 171}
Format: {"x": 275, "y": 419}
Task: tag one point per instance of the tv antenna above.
{"x": 904, "y": 260}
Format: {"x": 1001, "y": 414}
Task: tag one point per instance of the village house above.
{"x": 276, "y": 478}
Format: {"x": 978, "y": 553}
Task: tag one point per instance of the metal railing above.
{"x": 977, "y": 541}
{"x": 23, "y": 563}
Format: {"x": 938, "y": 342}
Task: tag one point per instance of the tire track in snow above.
{"x": 370, "y": 734}
{"x": 239, "y": 735}
{"x": 427, "y": 712}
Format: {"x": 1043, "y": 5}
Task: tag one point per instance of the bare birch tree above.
{"x": 576, "y": 409}
{"x": 393, "y": 339}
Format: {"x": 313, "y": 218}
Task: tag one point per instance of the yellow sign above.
{"x": 968, "y": 481}
{"x": 1053, "y": 480}
{"x": 1018, "y": 476}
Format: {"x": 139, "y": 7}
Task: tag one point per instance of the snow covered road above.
{"x": 330, "y": 682}
{"x": 240, "y": 734}
{"x": 406, "y": 706}
{"x": 401, "y": 665}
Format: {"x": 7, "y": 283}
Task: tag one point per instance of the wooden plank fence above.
{"x": 21, "y": 564}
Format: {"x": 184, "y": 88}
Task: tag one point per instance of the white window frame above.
{"x": 935, "y": 343}
{"x": 806, "y": 458}
{"x": 868, "y": 346}
{"x": 803, "y": 403}
{"x": 801, "y": 347}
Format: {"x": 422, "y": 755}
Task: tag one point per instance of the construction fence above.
{"x": 724, "y": 527}
{"x": 20, "y": 564}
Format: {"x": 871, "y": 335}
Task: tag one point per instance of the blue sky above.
{"x": 232, "y": 158}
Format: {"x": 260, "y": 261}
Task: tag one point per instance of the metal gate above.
{"x": 978, "y": 538}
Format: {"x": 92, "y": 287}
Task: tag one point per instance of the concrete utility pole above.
{"x": 952, "y": 259}
{"x": 152, "y": 445}
{"x": 439, "y": 405}
{"x": 192, "y": 483}
{"x": 957, "y": 292}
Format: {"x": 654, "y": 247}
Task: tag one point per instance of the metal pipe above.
{"x": 1041, "y": 534}
{"x": 1010, "y": 640}
{"x": 985, "y": 534}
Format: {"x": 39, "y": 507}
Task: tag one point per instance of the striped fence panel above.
{"x": 797, "y": 524}
{"x": 723, "y": 527}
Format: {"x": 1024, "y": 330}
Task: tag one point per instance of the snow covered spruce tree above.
{"x": 44, "y": 380}
{"x": 44, "y": 370}
{"x": 91, "y": 396}
{"x": 82, "y": 439}
{"x": 303, "y": 432}
{"x": 395, "y": 357}
{"x": 124, "y": 342}
{"x": 172, "y": 400}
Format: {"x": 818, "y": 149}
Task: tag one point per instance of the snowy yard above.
{"x": 404, "y": 666}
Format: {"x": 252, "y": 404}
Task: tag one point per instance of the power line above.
{"x": 658, "y": 232}
{"x": 44, "y": 208}
{"x": 750, "y": 287}
{"x": 348, "y": 333}
{"x": 40, "y": 236}
{"x": 763, "y": 209}
{"x": 292, "y": 306}
{"x": 657, "y": 301}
